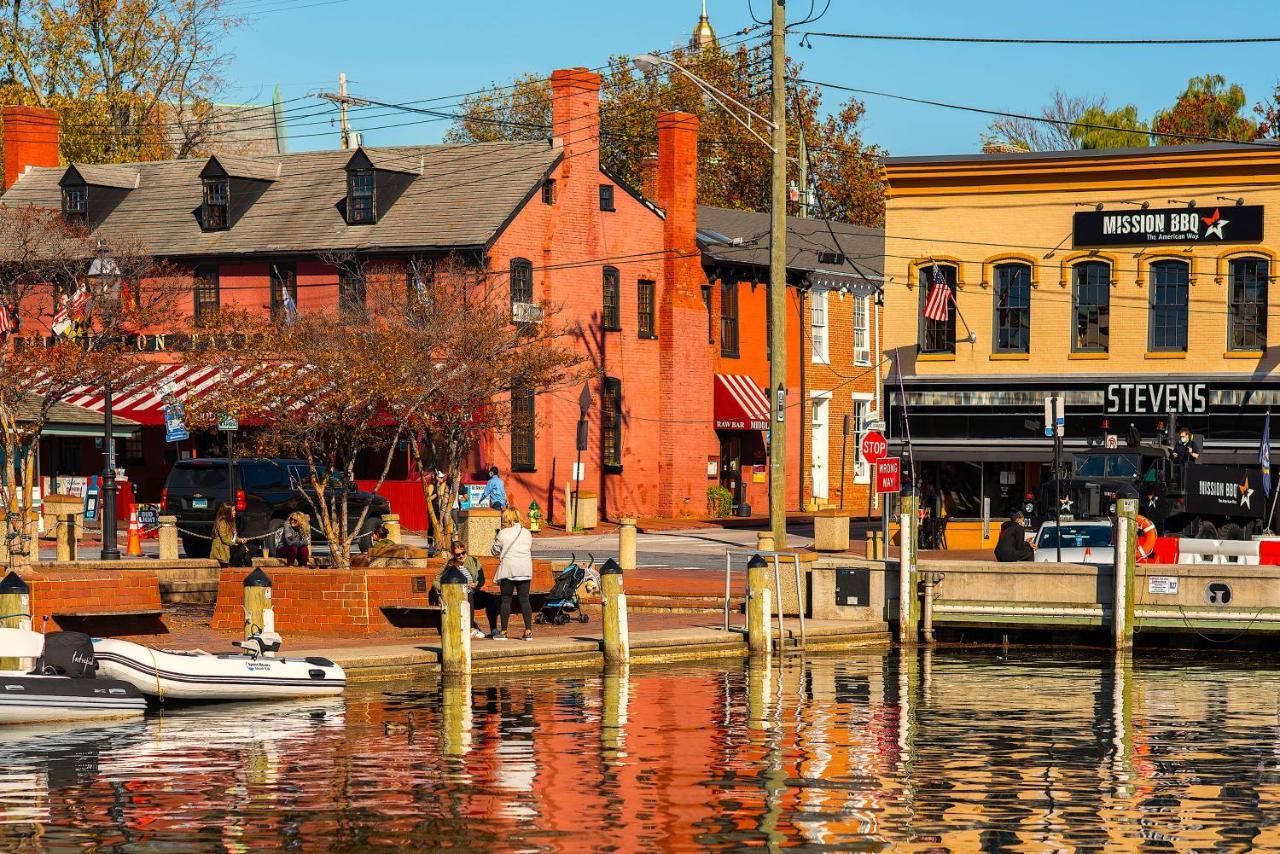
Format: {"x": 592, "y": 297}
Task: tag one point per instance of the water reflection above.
{"x": 929, "y": 750}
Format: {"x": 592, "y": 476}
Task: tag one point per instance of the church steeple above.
{"x": 704, "y": 35}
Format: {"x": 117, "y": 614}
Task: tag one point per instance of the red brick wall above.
{"x": 85, "y": 591}
{"x": 30, "y": 139}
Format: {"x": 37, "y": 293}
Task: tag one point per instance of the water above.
{"x": 936, "y": 751}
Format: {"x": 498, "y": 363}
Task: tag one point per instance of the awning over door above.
{"x": 740, "y": 404}
{"x": 145, "y": 403}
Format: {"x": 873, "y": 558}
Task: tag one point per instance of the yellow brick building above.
{"x": 1137, "y": 283}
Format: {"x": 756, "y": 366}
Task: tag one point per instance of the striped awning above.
{"x": 144, "y": 402}
{"x": 740, "y": 404}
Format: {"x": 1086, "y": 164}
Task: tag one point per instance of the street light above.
{"x": 106, "y": 273}
{"x": 777, "y": 144}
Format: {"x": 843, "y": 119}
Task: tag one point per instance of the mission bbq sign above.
{"x": 1220, "y": 224}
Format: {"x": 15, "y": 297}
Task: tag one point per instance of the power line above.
{"x": 1038, "y": 41}
{"x": 1045, "y": 119}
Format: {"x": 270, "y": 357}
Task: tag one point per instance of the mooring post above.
{"x": 168, "y": 538}
{"x": 758, "y": 603}
{"x": 907, "y": 523}
{"x": 257, "y": 601}
{"x": 627, "y": 543}
{"x": 455, "y": 622}
{"x": 15, "y": 611}
{"x": 930, "y": 580}
{"x": 617, "y": 644}
{"x": 1126, "y": 567}
{"x": 391, "y": 522}
{"x": 65, "y": 536}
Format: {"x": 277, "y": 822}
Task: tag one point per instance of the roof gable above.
{"x": 118, "y": 177}
{"x": 223, "y": 166}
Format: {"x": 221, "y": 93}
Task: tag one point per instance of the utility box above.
{"x": 853, "y": 587}
{"x": 478, "y": 529}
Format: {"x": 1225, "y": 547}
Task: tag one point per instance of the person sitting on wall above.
{"x": 1012, "y": 545}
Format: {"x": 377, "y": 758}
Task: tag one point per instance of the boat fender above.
{"x": 316, "y": 674}
{"x": 318, "y": 662}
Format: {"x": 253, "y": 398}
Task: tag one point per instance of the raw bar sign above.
{"x": 1219, "y": 224}
{"x": 1157, "y": 398}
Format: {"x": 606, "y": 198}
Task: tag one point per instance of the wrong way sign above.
{"x": 889, "y": 475}
{"x": 874, "y": 447}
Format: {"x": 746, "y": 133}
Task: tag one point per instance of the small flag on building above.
{"x": 6, "y": 320}
{"x": 1264, "y": 454}
{"x": 289, "y": 303}
{"x": 936, "y": 306}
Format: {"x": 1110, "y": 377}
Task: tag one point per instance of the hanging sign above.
{"x": 228, "y": 423}
{"x": 1201, "y": 224}
{"x": 175, "y": 428}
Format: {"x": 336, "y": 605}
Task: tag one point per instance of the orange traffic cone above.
{"x": 134, "y": 548}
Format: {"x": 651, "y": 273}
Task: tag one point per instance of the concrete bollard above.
{"x": 613, "y": 717}
{"x": 758, "y": 606}
{"x": 257, "y": 601}
{"x": 907, "y": 524}
{"x": 617, "y": 643}
{"x": 1126, "y": 566}
{"x": 392, "y": 523}
{"x": 168, "y": 538}
{"x": 15, "y": 611}
{"x": 627, "y": 543}
{"x": 875, "y": 545}
{"x": 65, "y": 537}
{"x": 455, "y": 713}
{"x": 764, "y": 541}
{"x": 455, "y": 623}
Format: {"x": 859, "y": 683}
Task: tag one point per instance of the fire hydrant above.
{"x": 535, "y": 518}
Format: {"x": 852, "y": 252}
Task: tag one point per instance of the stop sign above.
{"x": 874, "y": 447}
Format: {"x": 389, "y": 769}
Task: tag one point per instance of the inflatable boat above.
{"x": 255, "y": 674}
{"x": 54, "y": 678}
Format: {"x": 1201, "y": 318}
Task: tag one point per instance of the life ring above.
{"x": 1145, "y": 541}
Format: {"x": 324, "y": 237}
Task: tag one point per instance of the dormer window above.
{"x": 360, "y": 208}
{"x": 75, "y": 203}
{"x": 217, "y": 194}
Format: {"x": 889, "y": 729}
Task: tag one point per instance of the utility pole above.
{"x": 778, "y": 281}
{"x": 802, "y": 181}
{"x": 343, "y": 100}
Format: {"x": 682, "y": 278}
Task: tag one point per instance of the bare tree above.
{"x": 1054, "y": 134}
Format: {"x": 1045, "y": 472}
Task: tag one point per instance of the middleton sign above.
{"x": 1221, "y": 224}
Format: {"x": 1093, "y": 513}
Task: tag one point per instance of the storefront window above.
{"x": 1091, "y": 304}
{"x": 1013, "y": 308}
{"x": 937, "y": 336}
{"x": 1169, "y": 280}
{"x": 1247, "y": 314}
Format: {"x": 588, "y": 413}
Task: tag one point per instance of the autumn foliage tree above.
{"x": 734, "y": 165}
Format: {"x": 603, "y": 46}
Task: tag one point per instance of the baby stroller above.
{"x": 563, "y": 598}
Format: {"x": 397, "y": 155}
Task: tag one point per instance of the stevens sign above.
{"x": 1223, "y": 224}
{"x": 1157, "y": 398}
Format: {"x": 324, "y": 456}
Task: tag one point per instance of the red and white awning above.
{"x": 145, "y": 403}
{"x": 740, "y": 404}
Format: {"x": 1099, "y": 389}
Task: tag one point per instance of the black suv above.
{"x": 265, "y": 492}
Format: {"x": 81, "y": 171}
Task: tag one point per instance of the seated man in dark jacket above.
{"x": 1013, "y": 544}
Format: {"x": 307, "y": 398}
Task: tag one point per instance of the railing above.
{"x": 777, "y": 587}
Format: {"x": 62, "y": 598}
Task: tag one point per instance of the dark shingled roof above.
{"x": 121, "y": 177}
{"x": 862, "y": 248}
{"x": 61, "y": 413}
{"x": 463, "y": 197}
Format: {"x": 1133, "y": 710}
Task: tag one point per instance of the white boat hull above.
{"x": 204, "y": 676}
{"x": 27, "y": 699}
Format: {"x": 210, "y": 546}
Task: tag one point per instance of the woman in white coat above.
{"x": 514, "y": 548}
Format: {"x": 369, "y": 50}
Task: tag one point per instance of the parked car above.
{"x": 1090, "y": 542}
{"x": 265, "y": 492}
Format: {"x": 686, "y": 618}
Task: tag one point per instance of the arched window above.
{"x": 521, "y": 281}
{"x": 1012, "y": 308}
{"x": 1247, "y": 304}
{"x": 1168, "y": 324}
{"x": 937, "y": 335}
{"x": 1091, "y": 307}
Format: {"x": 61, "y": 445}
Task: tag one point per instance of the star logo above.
{"x": 1213, "y": 225}
{"x": 1066, "y": 504}
{"x": 1152, "y": 501}
{"x": 1245, "y": 494}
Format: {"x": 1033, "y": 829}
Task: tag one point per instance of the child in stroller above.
{"x": 563, "y": 598}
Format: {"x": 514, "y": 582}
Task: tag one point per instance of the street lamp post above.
{"x": 107, "y": 274}
{"x": 777, "y": 143}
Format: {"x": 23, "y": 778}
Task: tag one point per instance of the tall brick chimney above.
{"x": 575, "y": 117}
{"x": 649, "y": 175}
{"x": 685, "y": 363}
{"x": 30, "y": 138}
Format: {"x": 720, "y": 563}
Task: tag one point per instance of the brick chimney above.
{"x": 575, "y": 117}
{"x": 649, "y": 176}
{"x": 30, "y": 138}
{"x": 685, "y": 361}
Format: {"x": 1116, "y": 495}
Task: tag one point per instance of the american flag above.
{"x": 290, "y": 304}
{"x": 6, "y": 320}
{"x": 936, "y": 306}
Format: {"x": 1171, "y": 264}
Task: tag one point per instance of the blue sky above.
{"x": 401, "y": 50}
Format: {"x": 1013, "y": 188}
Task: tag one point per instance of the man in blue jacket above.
{"x": 495, "y": 490}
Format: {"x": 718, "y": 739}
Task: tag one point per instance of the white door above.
{"x": 821, "y": 443}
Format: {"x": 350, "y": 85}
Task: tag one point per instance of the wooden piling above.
{"x": 907, "y": 524}
{"x": 759, "y": 694}
{"x": 613, "y": 716}
{"x": 15, "y": 611}
{"x": 391, "y": 522}
{"x": 930, "y": 579}
{"x": 627, "y": 543}
{"x": 168, "y": 538}
{"x": 1126, "y": 566}
{"x": 617, "y": 644}
{"x": 65, "y": 537}
{"x": 758, "y": 606}
{"x": 257, "y": 600}
{"x": 455, "y": 623}
{"x": 455, "y": 711}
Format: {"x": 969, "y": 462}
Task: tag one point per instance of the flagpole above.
{"x": 1267, "y": 445}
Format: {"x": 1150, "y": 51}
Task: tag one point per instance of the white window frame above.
{"x": 862, "y": 331}
{"x": 864, "y": 402}
{"x": 818, "y": 327}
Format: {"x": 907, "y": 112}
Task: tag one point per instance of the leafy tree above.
{"x": 1268, "y": 113}
{"x": 132, "y": 79}
{"x": 734, "y": 164}
{"x": 1208, "y": 107}
{"x": 1130, "y": 131}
